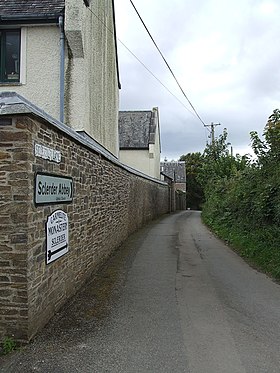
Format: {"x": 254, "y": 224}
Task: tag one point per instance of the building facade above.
{"x": 62, "y": 56}
{"x": 139, "y": 135}
{"x": 176, "y": 171}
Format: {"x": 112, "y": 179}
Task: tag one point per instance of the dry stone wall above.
{"x": 109, "y": 202}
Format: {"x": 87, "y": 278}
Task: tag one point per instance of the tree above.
{"x": 218, "y": 163}
{"x": 194, "y": 192}
{"x": 268, "y": 150}
{"x": 267, "y": 206}
{"x": 214, "y": 166}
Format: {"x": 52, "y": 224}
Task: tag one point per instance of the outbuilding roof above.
{"x": 136, "y": 129}
{"x": 174, "y": 170}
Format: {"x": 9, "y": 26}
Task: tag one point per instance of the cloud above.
{"x": 225, "y": 55}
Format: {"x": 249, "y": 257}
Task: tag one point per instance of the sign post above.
{"x": 57, "y": 235}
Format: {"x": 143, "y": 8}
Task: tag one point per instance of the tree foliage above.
{"x": 203, "y": 171}
{"x": 236, "y": 189}
{"x": 194, "y": 192}
{"x": 268, "y": 150}
{"x": 242, "y": 196}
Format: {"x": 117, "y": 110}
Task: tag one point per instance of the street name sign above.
{"x": 45, "y": 152}
{"x": 57, "y": 229}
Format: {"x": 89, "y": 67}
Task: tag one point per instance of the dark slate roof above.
{"x": 135, "y": 129}
{"x": 12, "y": 9}
{"x": 175, "y": 170}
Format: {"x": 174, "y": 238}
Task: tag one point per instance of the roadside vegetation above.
{"x": 8, "y": 345}
{"x": 240, "y": 196}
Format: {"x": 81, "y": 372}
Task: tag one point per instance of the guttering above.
{"x": 28, "y": 19}
{"x": 134, "y": 148}
{"x": 62, "y": 69}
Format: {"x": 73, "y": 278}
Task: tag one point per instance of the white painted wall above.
{"x": 39, "y": 68}
{"x": 155, "y": 150}
{"x": 137, "y": 159}
{"x": 91, "y": 87}
{"x": 146, "y": 161}
{"x": 91, "y": 75}
{"x": 154, "y": 160}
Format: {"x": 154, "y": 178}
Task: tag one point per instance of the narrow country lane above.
{"x": 173, "y": 299}
{"x": 230, "y": 312}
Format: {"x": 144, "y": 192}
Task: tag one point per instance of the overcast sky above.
{"x": 224, "y": 53}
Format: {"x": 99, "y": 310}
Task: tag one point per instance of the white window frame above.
{"x": 23, "y": 44}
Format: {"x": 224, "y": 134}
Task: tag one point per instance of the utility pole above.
{"x": 212, "y": 134}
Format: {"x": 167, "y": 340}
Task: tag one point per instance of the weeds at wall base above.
{"x": 8, "y": 345}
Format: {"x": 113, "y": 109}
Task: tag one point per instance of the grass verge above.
{"x": 260, "y": 247}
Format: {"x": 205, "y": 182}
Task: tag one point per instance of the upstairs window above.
{"x": 9, "y": 56}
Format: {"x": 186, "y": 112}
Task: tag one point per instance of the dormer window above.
{"x": 9, "y": 56}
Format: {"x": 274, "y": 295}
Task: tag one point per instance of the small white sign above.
{"x": 45, "y": 152}
{"x": 57, "y": 235}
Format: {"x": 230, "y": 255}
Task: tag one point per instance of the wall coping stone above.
{"x": 11, "y": 103}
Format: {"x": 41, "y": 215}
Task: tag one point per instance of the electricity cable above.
{"x": 169, "y": 68}
{"x": 134, "y": 55}
{"x": 156, "y": 77}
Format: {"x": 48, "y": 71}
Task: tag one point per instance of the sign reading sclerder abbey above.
{"x": 53, "y": 189}
{"x": 57, "y": 235}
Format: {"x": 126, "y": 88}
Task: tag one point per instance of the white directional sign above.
{"x": 57, "y": 236}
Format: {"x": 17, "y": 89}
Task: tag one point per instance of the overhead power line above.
{"x": 134, "y": 55}
{"x": 169, "y": 68}
{"x": 156, "y": 77}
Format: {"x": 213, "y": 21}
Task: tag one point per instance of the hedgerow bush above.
{"x": 242, "y": 196}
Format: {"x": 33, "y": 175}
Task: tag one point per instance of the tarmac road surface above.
{"x": 173, "y": 299}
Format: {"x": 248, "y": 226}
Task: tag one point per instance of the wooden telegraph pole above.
{"x": 212, "y": 133}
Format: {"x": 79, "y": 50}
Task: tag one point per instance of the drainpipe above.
{"x": 62, "y": 69}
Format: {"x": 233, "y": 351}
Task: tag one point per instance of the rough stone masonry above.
{"x": 108, "y": 202}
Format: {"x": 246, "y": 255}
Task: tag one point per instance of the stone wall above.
{"x": 180, "y": 197}
{"x": 109, "y": 203}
